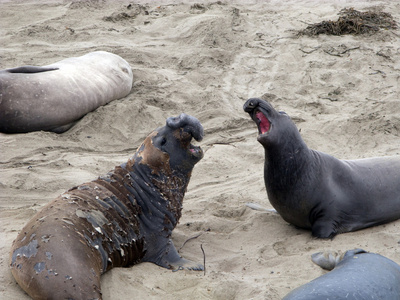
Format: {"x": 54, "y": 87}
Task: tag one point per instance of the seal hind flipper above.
{"x": 328, "y": 260}
{"x": 30, "y": 69}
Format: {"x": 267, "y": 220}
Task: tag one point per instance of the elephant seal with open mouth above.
{"x": 118, "y": 220}
{"x": 316, "y": 191}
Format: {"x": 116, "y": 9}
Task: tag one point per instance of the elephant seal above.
{"x": 55, "y": 96}
{"x": 356, "y": 275}
{"x": 118, "y": 220}
{"x": 316, "y": 191}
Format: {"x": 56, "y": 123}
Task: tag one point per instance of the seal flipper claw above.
{"x": 186, "y": 264}
{"x": 170, "y": 259}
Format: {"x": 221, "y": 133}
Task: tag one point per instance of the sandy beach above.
{"x": 206, "y": 60}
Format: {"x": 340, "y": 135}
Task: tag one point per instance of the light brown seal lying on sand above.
{"x": 55, "y": 96}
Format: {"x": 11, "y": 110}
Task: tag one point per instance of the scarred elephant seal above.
{"x": 316, "y": 191}
{"x": 118, "y": 220}
{"x": 55, "y": 96}
{"x": 356, "y": 275}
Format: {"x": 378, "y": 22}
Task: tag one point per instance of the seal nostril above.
{"x": 250, "y": 105}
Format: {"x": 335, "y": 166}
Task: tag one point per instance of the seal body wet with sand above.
{"x": 356, "y": 275}
{"x": 55, "y": 96}
{"x": 316, "y": 191}
{"x": 118, "y": 220}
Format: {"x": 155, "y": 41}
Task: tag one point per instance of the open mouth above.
{"x": 196, "y": 151}
{"x": 185, "y": 143}
{"x": 264, "y": 125}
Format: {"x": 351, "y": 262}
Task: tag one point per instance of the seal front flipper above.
{"x": 61, "y": 129}
{"x": 30, "y": 69}
{"x": 324, "y": 228}
{"x": 170, "y": 259}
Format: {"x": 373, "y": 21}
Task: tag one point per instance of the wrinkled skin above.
{"x": 316, "y": 191}
{"x": 356, "y": 275}
{"x": 118, "y": 220}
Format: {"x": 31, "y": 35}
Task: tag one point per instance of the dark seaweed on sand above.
{"x": 352, "y": 21}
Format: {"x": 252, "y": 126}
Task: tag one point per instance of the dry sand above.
{"x": 206, "y": 61}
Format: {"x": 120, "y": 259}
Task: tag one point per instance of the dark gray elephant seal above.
{"x": 53, "y": 97}
{"x": 121, "y": 219}
{"x": 356, "y": 275}
{"x": 316, "y": 191}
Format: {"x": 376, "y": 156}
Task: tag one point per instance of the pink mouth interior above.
{"x": 264, "y": 124}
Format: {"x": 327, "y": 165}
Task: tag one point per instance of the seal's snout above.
{"x": 259, "y": 111}
{"x": 251, "y": 105}
{"x": 189, "y": 124}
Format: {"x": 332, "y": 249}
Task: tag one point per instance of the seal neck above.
{"x": 159, "y": 195}
{"x": 285, "y": 160}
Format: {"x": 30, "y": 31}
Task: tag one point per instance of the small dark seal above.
{"x": 55, "y": 96}
{"x": 356, "y": 275}
{"x": 316, "y": 191}
{"x": 118, "y": 220}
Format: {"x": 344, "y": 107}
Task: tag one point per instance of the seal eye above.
{"x": 163, "y": 141}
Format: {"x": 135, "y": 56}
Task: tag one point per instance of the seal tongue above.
{"x": 264, "y": 125}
